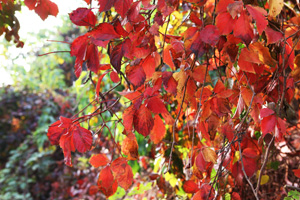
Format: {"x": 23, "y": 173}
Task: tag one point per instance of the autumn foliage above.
{"x": 206, "y": 83}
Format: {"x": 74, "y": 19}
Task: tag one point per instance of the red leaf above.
{"x": 169, "y": 82}
{"x": 297, "y": 172}
{"x": 117, "y": 54}
{"x": 156, "y": 105}
{"x": 78, "y": 49}
{"x": 243, "y": 29}
{"x": 200, "y": 162}
{"x": 134, "y": 12}
{"x": 102, "y": 34}
{"x": 30, "y": 4}
{"x": 268, "y": 124}
{"x": 99, "y": 84}
{"x": 122, "y": 172}
{"x": 67, "y": 145}
{"x": 225, "y": 23}
{"x": 210, "y": 35}
{"x": 222, "y": 5}
{"x": 227, "y": 130}
{"x": 98, "y": 160}
{"x": 105, "y": 5}
{"x": 92, "y": 58}
{"x": 122, "y": 6}
{"x": 82, "y": 139}
{"x": 197, "y": 46}
{"x": 45, "y": 8}
{"x": 249, "y": 165}
{"x": 119, "y": 29}
{"x": 106, "y": 182}
{"x": 143, "y": 121}
{"x": 190, "y": 187}
{"x": 281, "y": 125}
{"x": 273, "y": 36}
{"x": 258, "y": 15}
{"x": 55, "y": 132}
{"x": 65, "y": 122}
{"x": 136, "y": 75}
{"x": 249, "y": 153}
{"x": 79, "y": 46}
{"x": 194, "y": 18}
{"x": 265, "y": 112}
{"x": 114, "y": 77}
{"x": 159, "y": 130}
{"x": 83, "y": 17}
{"x": 150, "y": 63}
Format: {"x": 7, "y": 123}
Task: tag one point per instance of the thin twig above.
{"x": 292, "y": 187}
{"x": 174, "y": 125}
{"x": 264, "y": 164}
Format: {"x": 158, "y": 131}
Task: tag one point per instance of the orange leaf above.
{"x": 130, "y": 147}
{"x": 106, "y": 182}
{"x": 128, "y": 118}
{"x": 247, "y": 95}
{"x": 199, "y": 74}
{"x": 93, "y": 190}
{"x": 203, "y": 193}
{"x": 209, "y": 155}
{"x": 167, "y": 57}
{"x": 159, "y": 130}
{"x": 98, "y": 160}
{"x": 122, "y": 172}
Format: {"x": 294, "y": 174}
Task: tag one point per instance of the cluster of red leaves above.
{"x": 70, "y": 136}
{"x": 168, "y": 80}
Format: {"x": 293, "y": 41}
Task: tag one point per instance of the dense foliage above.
{"x": 197, "y": 97}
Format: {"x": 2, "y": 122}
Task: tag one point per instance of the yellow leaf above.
{"x": 275, "y": 7}
{"x": 264, "y": 178}
{"x": 209, "y": 155}
{"x": 236, "y": 157}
